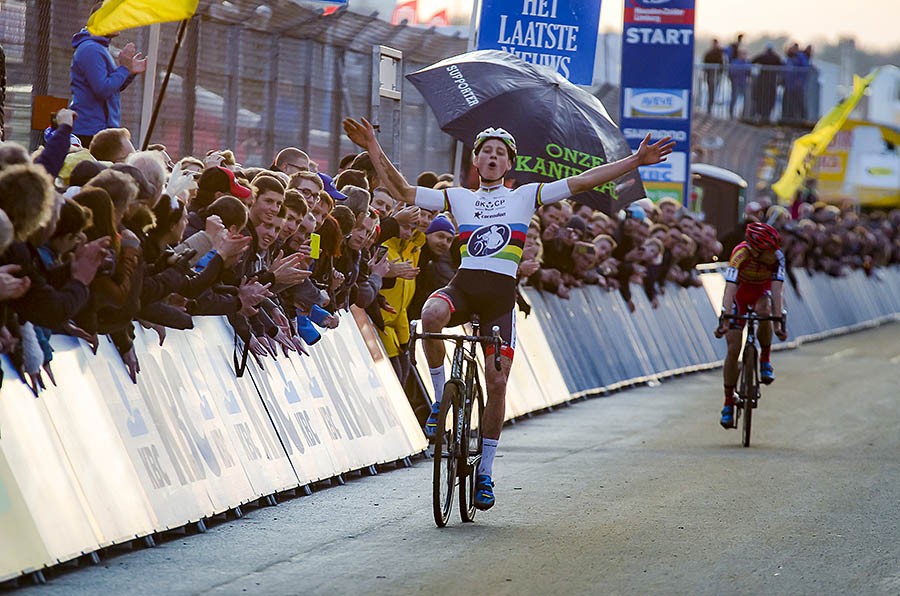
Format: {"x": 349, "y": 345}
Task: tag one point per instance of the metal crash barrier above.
{"x": 599, "y": 346}
{"x": 98, "y": 460}
{"x": 535, "y": 382}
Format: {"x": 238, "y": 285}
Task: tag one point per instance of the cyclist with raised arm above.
{"x": 492, "y": 221}
{"x": 754, "y": 279}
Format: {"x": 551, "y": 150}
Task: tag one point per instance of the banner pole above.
{"x": 150, "y": 80}
{"x": 460, "y": 146}
{"x": 165, "y": 83}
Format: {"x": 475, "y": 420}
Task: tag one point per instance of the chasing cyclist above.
{"x": 493, "y": 221}
{"x": 755, "y": 279}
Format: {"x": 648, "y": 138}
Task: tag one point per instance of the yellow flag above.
{"x": 118, "y": 15}
{"x": 808, "y": 147}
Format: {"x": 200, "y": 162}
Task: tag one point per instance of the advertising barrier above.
{"x": 97, "y": 460}
{"x": 535, "y": 382}
{"x": 599, "y": 346}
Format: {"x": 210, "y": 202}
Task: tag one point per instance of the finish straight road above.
{"x": 638, "y": 493}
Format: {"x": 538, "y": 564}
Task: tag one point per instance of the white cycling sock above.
{"x": 488, "y": 451}
{"x": 438, "y": 380}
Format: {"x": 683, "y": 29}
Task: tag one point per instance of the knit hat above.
{"x": 441, "y": 223}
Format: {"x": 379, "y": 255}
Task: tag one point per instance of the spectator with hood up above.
{"x": 98, "y": 79}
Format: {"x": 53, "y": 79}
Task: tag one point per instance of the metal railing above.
{"x": 758, "y": 94}
{"x": 253, "y": 81}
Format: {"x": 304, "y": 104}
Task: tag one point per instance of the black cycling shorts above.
{"x": 491, "y": 296}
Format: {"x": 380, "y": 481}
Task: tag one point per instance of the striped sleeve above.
{"x": 433, "y": 200}
{"x": 551, "y": 192}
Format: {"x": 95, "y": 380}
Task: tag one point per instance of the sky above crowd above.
{"x": 875, "y": 24}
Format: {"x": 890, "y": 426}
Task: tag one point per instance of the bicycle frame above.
{"x": 464, "y": 364}
{"x": 465, "y": 389}
{"x": 747, "y": 396}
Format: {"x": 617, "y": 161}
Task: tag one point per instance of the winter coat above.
{"x": 96, "y": 83}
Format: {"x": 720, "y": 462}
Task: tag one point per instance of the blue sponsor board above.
{"x": 657, "y": 76}
{"x": 559, "y": 34}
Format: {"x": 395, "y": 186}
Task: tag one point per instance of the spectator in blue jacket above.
{"x": 97, "y": 80}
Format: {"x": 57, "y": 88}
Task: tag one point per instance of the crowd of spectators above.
{"x": 753, "y": 82}
{"x": 832, "y": 239}
{"x": 650, "y": 244}
{"x": 570, "y": 245}
{"x": 97, "y": 239}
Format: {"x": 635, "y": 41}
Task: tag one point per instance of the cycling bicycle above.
{"x": 746, "y": 394}
{"x": 457, "y": 443}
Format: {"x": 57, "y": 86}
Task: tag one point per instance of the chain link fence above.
{"x": 251, "y": 77}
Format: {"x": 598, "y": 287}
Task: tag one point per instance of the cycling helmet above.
{"x": 500, "y": 135}
{"x": 762, "y": 236}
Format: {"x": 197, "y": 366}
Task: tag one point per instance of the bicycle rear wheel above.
{"x": 446, "y": 455}
{"x": 471, "y": 450}
{"x": 749, "y": 388}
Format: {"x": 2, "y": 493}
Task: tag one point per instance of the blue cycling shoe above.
{"x": 484, "y": 492}
{"x": 432, "y": 422}
{"x": 727, "y": 420}
{"x": 766, "y": 373}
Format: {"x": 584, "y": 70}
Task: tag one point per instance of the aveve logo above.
{"x": 658, "y": 103}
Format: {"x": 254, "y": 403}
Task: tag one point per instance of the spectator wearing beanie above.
{"x": 438, "y": 262}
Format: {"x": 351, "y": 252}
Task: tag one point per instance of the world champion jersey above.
{"x": 744, "y": 268}
{"x": 492, "y": 221}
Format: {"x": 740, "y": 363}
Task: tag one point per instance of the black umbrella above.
{"x": 560, "y": 129}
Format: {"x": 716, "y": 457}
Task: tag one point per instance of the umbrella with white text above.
{"x": 560, "y": 129}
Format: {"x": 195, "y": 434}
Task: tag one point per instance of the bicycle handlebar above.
{"x": 493, "y": 338}
{"x": 753, "y": 317}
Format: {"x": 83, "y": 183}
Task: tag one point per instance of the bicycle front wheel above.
{"x": 749, "y": 389}
{"x": 471, "y": 454}
{"x": 446, "y": 455}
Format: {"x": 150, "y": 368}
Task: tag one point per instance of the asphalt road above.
{"x": 637, "y": 493}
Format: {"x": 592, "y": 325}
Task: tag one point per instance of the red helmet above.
{"x": 762, "y": 236}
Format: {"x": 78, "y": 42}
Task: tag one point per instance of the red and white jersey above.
{"x": 745, "y": 268}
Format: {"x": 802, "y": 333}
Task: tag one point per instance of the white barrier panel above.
{"x": 248, "y": 428}
{"x": 190, "y": 464}
{"x": 21, "y": 548}
{"x": 99, "y": 460}
{"x": 533, "y": 349}
{"x": 534, "y": 380}
{"x": 385, "y": 372}
{"x": 334, "y": 412}
{"x": 39, "y": 484}
{"x": 93, "y": 448}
